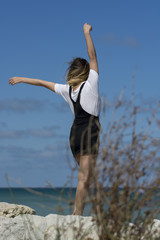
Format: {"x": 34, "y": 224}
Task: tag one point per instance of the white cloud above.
{"x": 130, "y": 41}
{"x": 21, "y": 105}
{"x": 45, "y": 132}
{"x": 126, "y": 41}
{"x": 14, "y": 155}
{"x": 3, "y": 125}
{"x": 30, "y": 104}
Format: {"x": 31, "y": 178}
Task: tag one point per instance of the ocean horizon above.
{"x": 46, "y": 200}
{"x": 43, "y": 200}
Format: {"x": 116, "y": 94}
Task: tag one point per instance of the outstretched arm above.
{"x": 36, "y": 82}
{"x": 90, "y": 47}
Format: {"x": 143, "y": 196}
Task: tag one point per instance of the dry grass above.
{"x": 127, "y": 177}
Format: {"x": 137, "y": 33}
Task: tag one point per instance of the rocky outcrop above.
{"x": 17, "y": 222}
{"x": 51, "y": 227}
{"x": 21, "y": 226}
{"x": 13, "y": 210}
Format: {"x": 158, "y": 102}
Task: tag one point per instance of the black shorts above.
{"x": 84, "y": 138}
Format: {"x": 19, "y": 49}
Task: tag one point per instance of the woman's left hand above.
{"x": 87, "y": 28}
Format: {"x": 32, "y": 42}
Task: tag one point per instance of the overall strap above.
{"x": 70, "y": 89}
{"x": 80, "y": 91}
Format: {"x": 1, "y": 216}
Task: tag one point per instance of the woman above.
{"x": 81, "y": 93}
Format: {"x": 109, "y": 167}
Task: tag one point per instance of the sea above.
{"x": 44, "y": 200}
{"x": 55, "y": 200}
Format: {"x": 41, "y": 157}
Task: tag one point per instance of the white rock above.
{"x": 129, "y": 233}
{"x": 153, "y": 230}
{"x": 70, "y": 227}
{"x": 13, "y": 210}
{"x": 156, "y": 228}
{"x": 30, "y": 227}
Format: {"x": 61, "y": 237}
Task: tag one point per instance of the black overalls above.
{"x": 84, "y": 135}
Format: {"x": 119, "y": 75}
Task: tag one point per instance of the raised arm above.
{"x": 90, "y": 47}
{"x": 36, "y": 82}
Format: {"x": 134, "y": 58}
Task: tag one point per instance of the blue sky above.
{"x": 37, "y": 40}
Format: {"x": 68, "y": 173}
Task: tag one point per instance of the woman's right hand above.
{"x": 14, "y": 80}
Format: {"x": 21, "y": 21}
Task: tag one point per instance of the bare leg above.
{"x": 85, "y": 178}
{"x": 78, "y": 159}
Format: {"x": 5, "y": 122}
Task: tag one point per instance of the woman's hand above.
{"x": 14, "y": 80}
{"x": 36, "y": 82}
{"x": 90, "y": 47}
{"x": 87, "y": 28}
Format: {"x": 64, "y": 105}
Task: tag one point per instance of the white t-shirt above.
{"x": 89, "y": 99}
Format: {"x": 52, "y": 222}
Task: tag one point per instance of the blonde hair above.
{"x": 78, "y": 71}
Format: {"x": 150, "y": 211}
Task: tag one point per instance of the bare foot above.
{"x": 75, "y": 212}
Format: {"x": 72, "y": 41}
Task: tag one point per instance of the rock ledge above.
{"x": 13, "y": 210}
{"x": 17, "y": 224}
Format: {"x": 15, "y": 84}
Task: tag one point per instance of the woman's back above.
{"x": 90, "y": 100}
